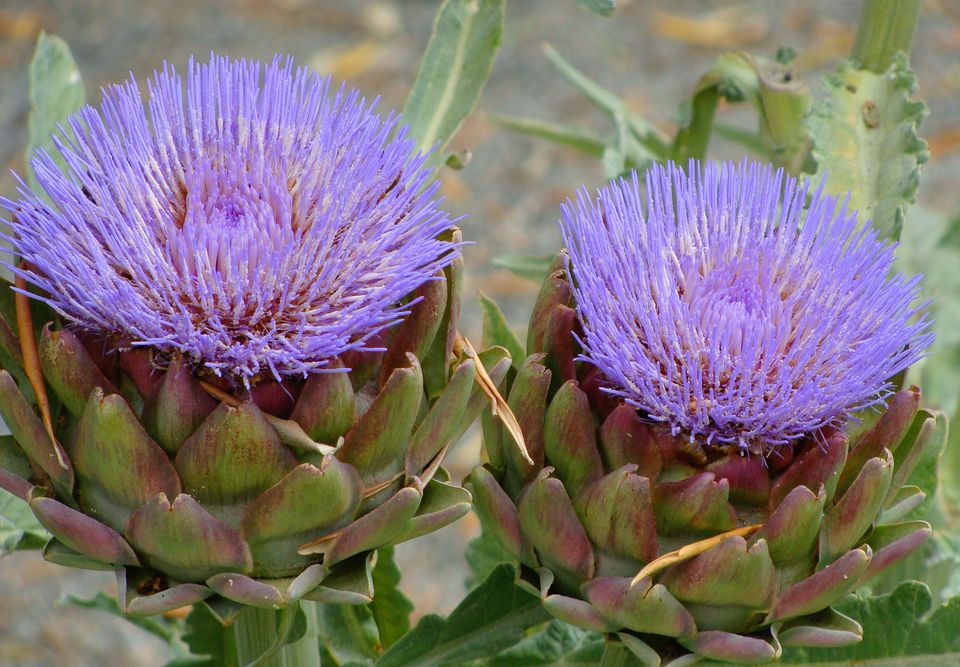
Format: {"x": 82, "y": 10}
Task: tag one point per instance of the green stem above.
{"x": 784, "y": 103}
{"x": 886, "y": 27}
{"x": 256, "y": 632}
{"x": 305, "y": 652}
{"x": 615, "y": 654}
{"x": 692, "y": 139}
{"x": 261, "y": 636}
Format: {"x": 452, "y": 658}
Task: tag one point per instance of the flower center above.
{"x": 238, "y": 213}
{"x": 735, "y": 304}
{"x": 237, "y": 233}
{"x": 230, "y": 210}
{"x": 743, "y": 314}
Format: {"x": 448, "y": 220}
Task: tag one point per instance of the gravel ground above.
{"x": 652, "y": 53}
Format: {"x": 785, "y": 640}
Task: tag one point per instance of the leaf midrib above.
{"x": 451, "y": 84}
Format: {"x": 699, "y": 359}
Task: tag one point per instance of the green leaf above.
{"x": 565, "y": 135}
{"x": 483, "y": 555}
{"x": 534, "y": 267}
{"x": 348, "y": 635}
{"x": 865, "y": 138}
{"x": 497, "y": 331}
{"x": 56, "y": 91}
{"x": 466, "y": 37}
{"x": 391, "y": 608}
{"x": 19, "y": 528}
{"x": 209, "y": 642}
{"x": 601, "y": 7}
{"x": 650, "y": 144}
{"x": 936, "y": 563}
{"x": 896, "y": 631}
{"x": 557, "y": 644}
{"x": 490, "y": 619}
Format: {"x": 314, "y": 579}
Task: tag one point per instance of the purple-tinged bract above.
{"x": 731, "y": 312}
{"x": 253, "y": 220}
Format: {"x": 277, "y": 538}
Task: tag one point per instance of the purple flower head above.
{"x": 253, "y": 220}
{"x": 733, "y": 313}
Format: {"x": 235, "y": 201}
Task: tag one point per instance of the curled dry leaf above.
{"x": 498, "y": 403}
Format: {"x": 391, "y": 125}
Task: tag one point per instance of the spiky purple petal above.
{"x": 732, "y": 312}
{"x": 254, "y": 220}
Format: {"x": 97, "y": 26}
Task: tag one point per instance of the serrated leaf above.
{"x": 483, "y": 555}
{"x": 865, "y": 140}
{"x": 556, "y": 644}
{"x": 534, "y": 267}
{"x": 210, "y": 643}
{"x": 490, "y": 619}
{"x": 896, "y": 631}
{"x": 348, "y": 635}
{"x": 455, "y": 66}
{"x": 601, "y": 7}
{"x": 391, "y": 608}
{"x": 56, "y": 91}
{"x": 497, "y": 331}
{"x": 936, "y": 563}
{"x": 19, "y": 528}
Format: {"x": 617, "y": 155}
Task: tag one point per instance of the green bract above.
{"x": 739, "y": 556}
{"x": 257, "y": 502}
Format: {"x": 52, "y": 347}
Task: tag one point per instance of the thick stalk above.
{"x": 305, "y": 652}
{"x": 784, "y": 103}
{"x": 886, "y": 27}
{"x": 256, "y": 632}
{"x": 260, "y": 632}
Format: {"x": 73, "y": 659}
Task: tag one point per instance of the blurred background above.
{"x": 651, "y": 52}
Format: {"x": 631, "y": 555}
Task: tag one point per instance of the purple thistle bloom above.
{"x": 259, "y": 224}
{"x": 731, "y": 312}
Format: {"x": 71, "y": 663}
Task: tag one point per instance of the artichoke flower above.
{"x": 719, "y": 452}
{"x": 244, "y": 374}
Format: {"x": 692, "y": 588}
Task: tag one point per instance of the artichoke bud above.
{"x": 253, "y": 378}
{"x": 668, "y": 503}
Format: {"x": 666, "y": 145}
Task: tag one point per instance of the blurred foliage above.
{"x": 56, "y": 91}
